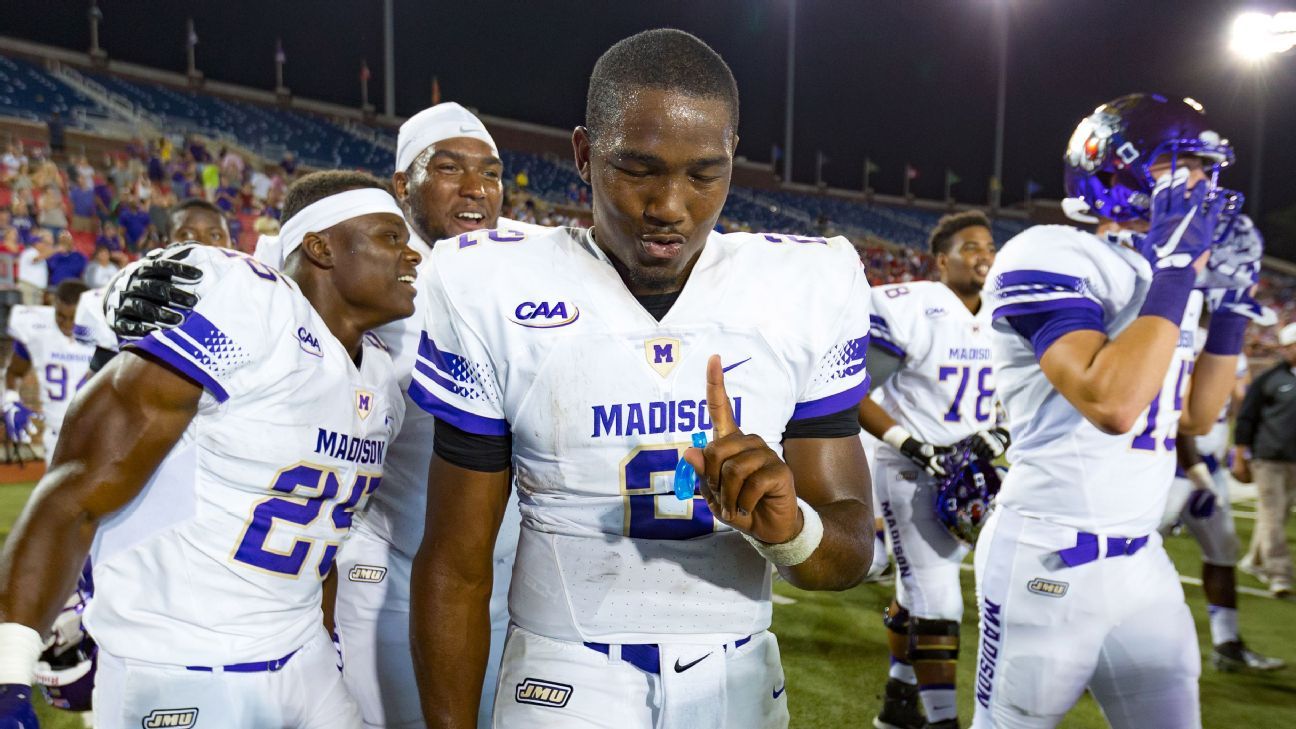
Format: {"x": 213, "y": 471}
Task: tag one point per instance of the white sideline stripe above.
{"x": 1240, "y": 588}
{"x": 1187, "y": 581}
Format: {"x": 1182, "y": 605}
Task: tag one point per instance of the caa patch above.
{"x": 1047, "y": 588}
{"x": 663, "y": 353}
{"x": 545, "y": 314}
{"x": 173, "y": 718}
{"x": 308, "y": 342}
{"x": 543, "y": 693}
{"x": 367, "y": 573}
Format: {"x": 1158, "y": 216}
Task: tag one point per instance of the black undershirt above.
{"x": 658, "y": 304}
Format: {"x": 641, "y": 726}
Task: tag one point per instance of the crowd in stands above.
{"x": 71, "y": 215}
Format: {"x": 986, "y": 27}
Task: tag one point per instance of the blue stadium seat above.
{"x": 27, "y": 91}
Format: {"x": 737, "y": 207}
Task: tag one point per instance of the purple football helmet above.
{"x": 65, "y": 671}
{"x": 963, "y": 499}
{"x": 1109, "y": 154}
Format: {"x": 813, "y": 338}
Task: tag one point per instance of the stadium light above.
{"x": 1256, "y": 36}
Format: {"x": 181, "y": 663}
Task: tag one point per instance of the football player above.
{"x": 585, "y": 361}
{"x": 263, "y": 419}
{"x": 448, "y": 181}
{"x": 1199, "y": 499}
{"x": 1093, "y": 342}
{"x": 43, "y": 341}
{"x": 934, "y": 336}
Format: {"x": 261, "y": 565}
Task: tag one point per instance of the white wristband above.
{"x": 1200, "y": 476}
{"x": 896, "y": 436}
{"x": 20, "y": 646}
{"x": 797, "y": 549}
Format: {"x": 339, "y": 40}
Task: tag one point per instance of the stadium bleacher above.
{"x": 29, "y": 92}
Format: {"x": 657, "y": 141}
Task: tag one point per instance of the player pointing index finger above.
{"x": 639, "y": 296}
{"x": 744, "y": 481}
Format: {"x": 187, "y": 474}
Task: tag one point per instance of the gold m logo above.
{"x": 663, "y": 353}
{"x": 364, "y": 403}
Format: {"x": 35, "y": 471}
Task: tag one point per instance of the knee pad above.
{"x": 1223, "y": 552}
{"x": 933, "y": 640}
{"x": 898, "y": 623}
{"x": 1215, "y": 535}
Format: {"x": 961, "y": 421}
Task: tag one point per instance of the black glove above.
{"x": 987, "y": 444}
{"x": 153, "y": 294}
{"x": 928, "y": 457}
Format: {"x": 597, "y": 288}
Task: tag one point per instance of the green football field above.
{"x": 834, "y": 649}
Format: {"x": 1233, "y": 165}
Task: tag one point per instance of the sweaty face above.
{"x": 660, "y": 175}
{"x": 64, "y": 317}
{"x": 200, "y": 225}
{"x": 454, "y": 187}
{"x": 965, "y": 266}
{"x": 374, "y": 267}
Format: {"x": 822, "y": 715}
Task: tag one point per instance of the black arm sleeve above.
{"x": 882, "y": 363}
{"x": 486, "y": 453}
{"x": 837, "y": 425}
{"x": 100, "y": 358}
{"x": 1248, "y": 416}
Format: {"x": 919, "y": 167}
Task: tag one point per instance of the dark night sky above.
{"x": 900, "y": 80}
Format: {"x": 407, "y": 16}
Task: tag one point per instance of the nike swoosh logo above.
{"x": 1164, "y": 250}
{"x": 1285, "y": 388}
{"x": 465, "y": 130}
{"x": 779, "y": 691}
{"x": 687, "y": 666}
{"x": 735, "y": 364}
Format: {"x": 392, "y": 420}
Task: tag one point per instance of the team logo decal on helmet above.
{"x": 1109, "y": 155}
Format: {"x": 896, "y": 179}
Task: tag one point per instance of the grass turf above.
{"x": 835, "y": 657}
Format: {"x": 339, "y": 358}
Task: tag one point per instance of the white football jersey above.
{"x": 219, "y": 559}
{"x": 396, "y": 513}
{"x": 1065, "y": 470}
{"x": 91, "y": 326}
{"x": 945, "y": 390}
{"x": 59, "y": 361}
{"x": 537, "y": 336}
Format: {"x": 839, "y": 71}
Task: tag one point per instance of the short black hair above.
{"x": 69, "y": 290}
{"x": 196, "y": 203}
{"x": 663, "y": 58}
{"x": 948, "y": 226}
{"x": 316, "y": 186}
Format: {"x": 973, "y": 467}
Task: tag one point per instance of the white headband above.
{"x": 320, "y": 216}
{"x": 435, "y": 124}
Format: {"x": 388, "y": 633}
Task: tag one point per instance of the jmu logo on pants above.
{"x": 543, "y": 693}
{"x": 177, "y": 718}
{"x": 662, "y": 353}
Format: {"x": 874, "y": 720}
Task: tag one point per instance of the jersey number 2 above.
{"x": 651, "y": 509}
